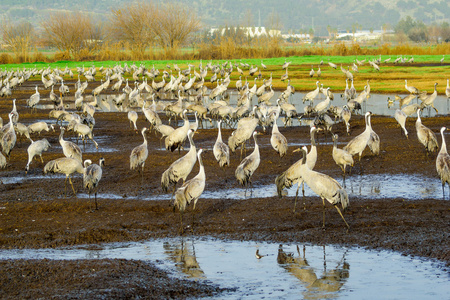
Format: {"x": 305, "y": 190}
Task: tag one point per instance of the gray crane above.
{"x": 341, "y": 157}
{"x": 425, "y": 136}
{"x": 400, "y": 117}
{"x": 221, "y": 150}
{"x": 70, "y": 149}
{"x": 359, "y": 143}
{"x": 325, "y": 187}
{"x": 277, "y": 139}
{"x": 36, "y": 148}
{"x": 139, "y": 154}
{"x": 181, "y": 168}
{"x": 91, "y": 178}
{"x": 443, "y": 163}
{"x": 248, "y": 166}
{"x": 67, "y": 166}
{"x": 9, "y": 138}
{"x": 178, "y": 136}
{"x": 191, "y": 190}
{"x": 34, "y": 99}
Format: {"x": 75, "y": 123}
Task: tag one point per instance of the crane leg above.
{"x": 96, "y": 206}
{"x": 303, "y": 192}
{"x": 339, "y": 211}
{"x": 296, "y": 196}
{"x": 70, "y": 180}
{"x": 323, "y": 224}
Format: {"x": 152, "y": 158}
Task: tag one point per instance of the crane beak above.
{"x": 297, "y": 150}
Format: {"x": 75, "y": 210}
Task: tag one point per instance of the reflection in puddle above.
{"x": 315, "y": 272}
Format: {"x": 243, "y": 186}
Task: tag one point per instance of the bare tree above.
{"x": 173, "y": 25}
{"x": 133, "y": 24}
{"x": 69, "y": 32}
{"x": 18, "y": 37}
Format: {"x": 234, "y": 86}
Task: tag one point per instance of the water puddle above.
{"x": 381, "y": 186}
{"x": 290, "y": 271}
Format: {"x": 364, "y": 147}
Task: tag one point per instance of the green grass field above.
{"x": 423, "y": 73}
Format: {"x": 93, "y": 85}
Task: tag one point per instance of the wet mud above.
{"x": 35, "y": 213}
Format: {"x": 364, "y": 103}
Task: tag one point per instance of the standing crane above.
{"x": 133, "y": 116}
{"x": 221, "y": 150}
{"x": 178, "y": 136}
{"x": 359, "y": 143}
{"x": 34, "y": 99}
{"x": 139, "y": 154}
{"x": 443, "y": 163}
{"x": 181, "y": 168}
{"x": 325, "y": 187}
{"x": 9, "y": 138}
{"x": 36, "y": 148}
{"x": 70, "y": 149}
{"x": 425, "y": 136}
{"x": 341, "y": 157}
{"x": 248, "y": 166}
{"x": 400, "y": 117}
{"x": 277, "y": 139}
{"x": 191, "y": 190}
{"x": 91, "y": 178}
{"x": 67, "y": 166}
{"x": 374, "y": 140}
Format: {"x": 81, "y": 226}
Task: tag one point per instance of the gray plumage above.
{"x": 400, "y": 117}
{"x": 133, "y": 116}
{"x": 374, "y": 140}
{"x": 181, "y": 168}
{"x": 67, "y": 166}
{"x": 359, "y": 143}
{"x": 36, "y": 148}
{"x": 278, "y": 140}
{"x": 178, "y": 136}
{"x": 9, "y": 138}
{"x": 91, "y": 178}
{"x": 425, "y": 136}
{"x": 39, "y": 127}
{"x": 221, "y": 151}
{"x": 325, "y": 187}
{"x": 245, "y": 128}
{"x": 192, "y": 189}
{"x": 70, "y": 149}
{"x": 443, "y": 163}
{"x": 2, "y": 161}
{"x": 139, "y": 154}
{"x": 248, "y": 165}
{"x": 34, "y": 99}
{"x": 341, "y": 157}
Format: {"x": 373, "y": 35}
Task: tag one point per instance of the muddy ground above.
{"x": 36, "y": 214}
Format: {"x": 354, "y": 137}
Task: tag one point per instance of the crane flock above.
{"x": 190, "y": 92}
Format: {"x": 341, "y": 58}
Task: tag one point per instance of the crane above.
{"x": 248, "y": 166}
{"x": 425, "y": 136}
{"x": 139, "y": 154}
{"x": 191, "y": 190}
{"x": 91, "y": 178}
{"x": 36, "y": 148}
{"x": 341, "y": 157}
{"x": 67, "y": 166}
{"x": 400, "y": 117}
{"x": 181, "y": 168}
{"x": 325, "y": 187}
{"x": 443, "y": 163}
{"x": 221, "y": 150}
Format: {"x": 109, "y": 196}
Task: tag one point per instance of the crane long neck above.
{"x": 145, "y": 138}
{"x": 444, "y": 145}
{"x": 313, "y": 140}
{"x": 219, "y": 134}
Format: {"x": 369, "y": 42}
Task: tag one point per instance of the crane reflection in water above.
{"x": 317, "y": 286}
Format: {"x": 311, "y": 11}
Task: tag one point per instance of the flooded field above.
{"x": 396, "y": 215}
{"x": 284, "y": 271}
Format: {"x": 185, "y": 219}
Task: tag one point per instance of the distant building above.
{"x": 362, "y": 35}
{"x": 248, "y": 31}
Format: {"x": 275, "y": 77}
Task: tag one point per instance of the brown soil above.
{"x": 36, "y": 214}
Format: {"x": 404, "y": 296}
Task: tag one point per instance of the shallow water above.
{"x": 378, "y": 186}
{"x": 311, "y": 272}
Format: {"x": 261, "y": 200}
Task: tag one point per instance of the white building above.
{"x": 249, "y": 31}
